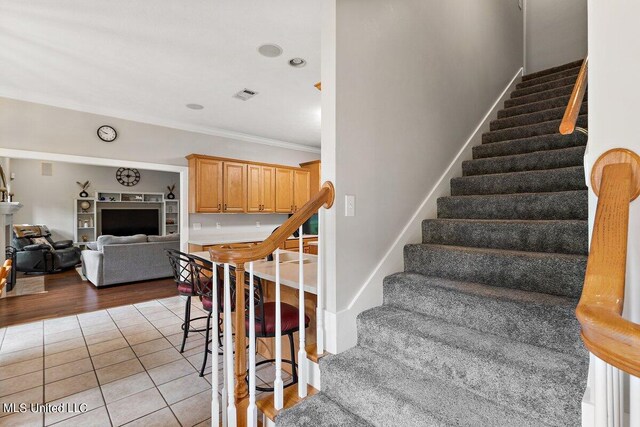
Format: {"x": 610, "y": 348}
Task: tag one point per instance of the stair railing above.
{"x": 568, "y": 124}
{"x": 238, "y": 403}
{"x": 614, "y": 340}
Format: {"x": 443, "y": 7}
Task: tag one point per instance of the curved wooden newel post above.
{"x": 615, "y": 178}
{"x": 241, "y": 390}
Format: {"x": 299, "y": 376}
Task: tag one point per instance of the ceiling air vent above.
{"x": 245, "y": 94}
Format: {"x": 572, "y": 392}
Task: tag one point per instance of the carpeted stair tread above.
{"x": 540, "y": 382}
{"x": 537, "y": 160}
{"x": 534, "y": 318}
{"x": 556, "y": 205}
{"x": 539, "y": 96}
{"x": 386, "y": 393}
{"x": 553, "y": 70}
{"x": 552, "y": 236}
{"x": 529, "y": 145}
{"x": 526, "y": 131}
{"x": 537, "y": 181}
{"x": 533, "y": 118}
{"x": 549, "y": 77}
{"x": 319, "y": 410}
{"x": 554, "y": 274}
{"x": 558, "y": 102}
{"x": 543, "y": 87}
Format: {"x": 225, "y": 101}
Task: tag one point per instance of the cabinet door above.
{"x": 268, "y": 189}
{"x": 284, "y": 190}
{"x": 301, "y": 188}
{"x": 207, "y": 186}
{"x": 235, "y": 188}
{"x": 254, "y": 188}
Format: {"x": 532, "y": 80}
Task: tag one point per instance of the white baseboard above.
{"x": 370, "y": 294}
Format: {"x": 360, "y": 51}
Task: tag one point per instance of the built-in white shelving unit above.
{"x": 171, "y": 216}
{"x": 86, "y": 220}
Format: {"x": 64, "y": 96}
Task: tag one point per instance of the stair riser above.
{"x": 553, "y": 70}
{"x": 561, "y": 275}
{"x": 560, "y": 102}
{"x": 572, "y": 72}
{"x": 529, "y": 145}
{"x": 392, "y": 394}
{"x": 551, "y": 326}
{"x": 540, "y": 96}
{"x": 559, "y": 205}
{"x": 546, "y": 128}
{"x": 545, "y": 181}
{"x": 492, "y": 379}
{"x": 566, "y": 237}
{"x": 543, "y": 87}
{"x": 346, "y": 385}
{"x": 533, "y": 118}
{"x": 542, "y": 160}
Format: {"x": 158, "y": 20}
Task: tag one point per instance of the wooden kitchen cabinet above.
{"x": 301, "y": 188}
{"x": 261, "y": 194}
{"x": 269, "y": 189}
{"x": 205, "y": 185}
{"x": 284, "y": 190}
{"x": 221, "y": 185}
{"x": 235, "y": 187}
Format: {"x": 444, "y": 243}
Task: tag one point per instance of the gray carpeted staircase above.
{"x": 480, "y": 329}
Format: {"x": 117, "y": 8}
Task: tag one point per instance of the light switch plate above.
{"x": 349, "y": 205}
{"x": 197, "y": 226}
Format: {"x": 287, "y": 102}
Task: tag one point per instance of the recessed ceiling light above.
{"x": 297, "y": 62}
{"x": 270, "y": 50}
{"x": 195, "y": 106}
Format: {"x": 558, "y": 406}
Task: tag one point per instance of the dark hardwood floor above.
{"x": 68, "y": 294}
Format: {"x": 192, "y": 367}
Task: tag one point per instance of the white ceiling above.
{"x": 144, "y": 60}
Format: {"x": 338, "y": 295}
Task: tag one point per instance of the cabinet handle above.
{"x": 219, "y": 207}
{"x": 225, "y": 206}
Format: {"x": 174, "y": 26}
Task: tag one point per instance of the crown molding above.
{"x": 151, "y": 120}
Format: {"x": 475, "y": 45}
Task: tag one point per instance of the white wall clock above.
{"x": 107, "y": 133}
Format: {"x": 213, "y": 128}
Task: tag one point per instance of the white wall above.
{"x": 556, "y": 33}
{"x": 49, "y": 199}
{"x": 232, "y": 223}
{"x": 413, "y": 79}
{"x": 614, "y": 64}
{"x": 37, "y": 127}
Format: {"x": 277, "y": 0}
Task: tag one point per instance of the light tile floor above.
{"x": 123, "y": 363}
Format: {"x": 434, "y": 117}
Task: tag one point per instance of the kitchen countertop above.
{"x": 289, "y": 270}
{"x": 238, "y": 237}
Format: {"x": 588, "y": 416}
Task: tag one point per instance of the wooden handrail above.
{"x": 243, "y": 254}
{"x": 605, "y": 332}
{"x": 568, "y": 124}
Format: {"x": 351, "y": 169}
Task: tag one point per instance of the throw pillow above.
{"x": 41, "y": 241}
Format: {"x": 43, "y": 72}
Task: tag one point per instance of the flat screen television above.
{"x": 127, "y": 222}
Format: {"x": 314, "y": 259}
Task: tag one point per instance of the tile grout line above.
{"x": 145, "y": 368}
{"x": 95, "y": 373}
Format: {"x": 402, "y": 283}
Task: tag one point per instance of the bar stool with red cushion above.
{"x": 182, "y": 274}
{"x": 203, "y": 272}
{"x": 265, "y": 324}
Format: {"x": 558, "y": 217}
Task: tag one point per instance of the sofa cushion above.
{"x": 168, "y": 238}
{"x": 108, "y": 239}
{"x": 92, "y": 245}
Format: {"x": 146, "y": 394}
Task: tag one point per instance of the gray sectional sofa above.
{"x": 112, "y": 259}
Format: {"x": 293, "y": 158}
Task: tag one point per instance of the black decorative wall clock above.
{"x": 128, "y": 177}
